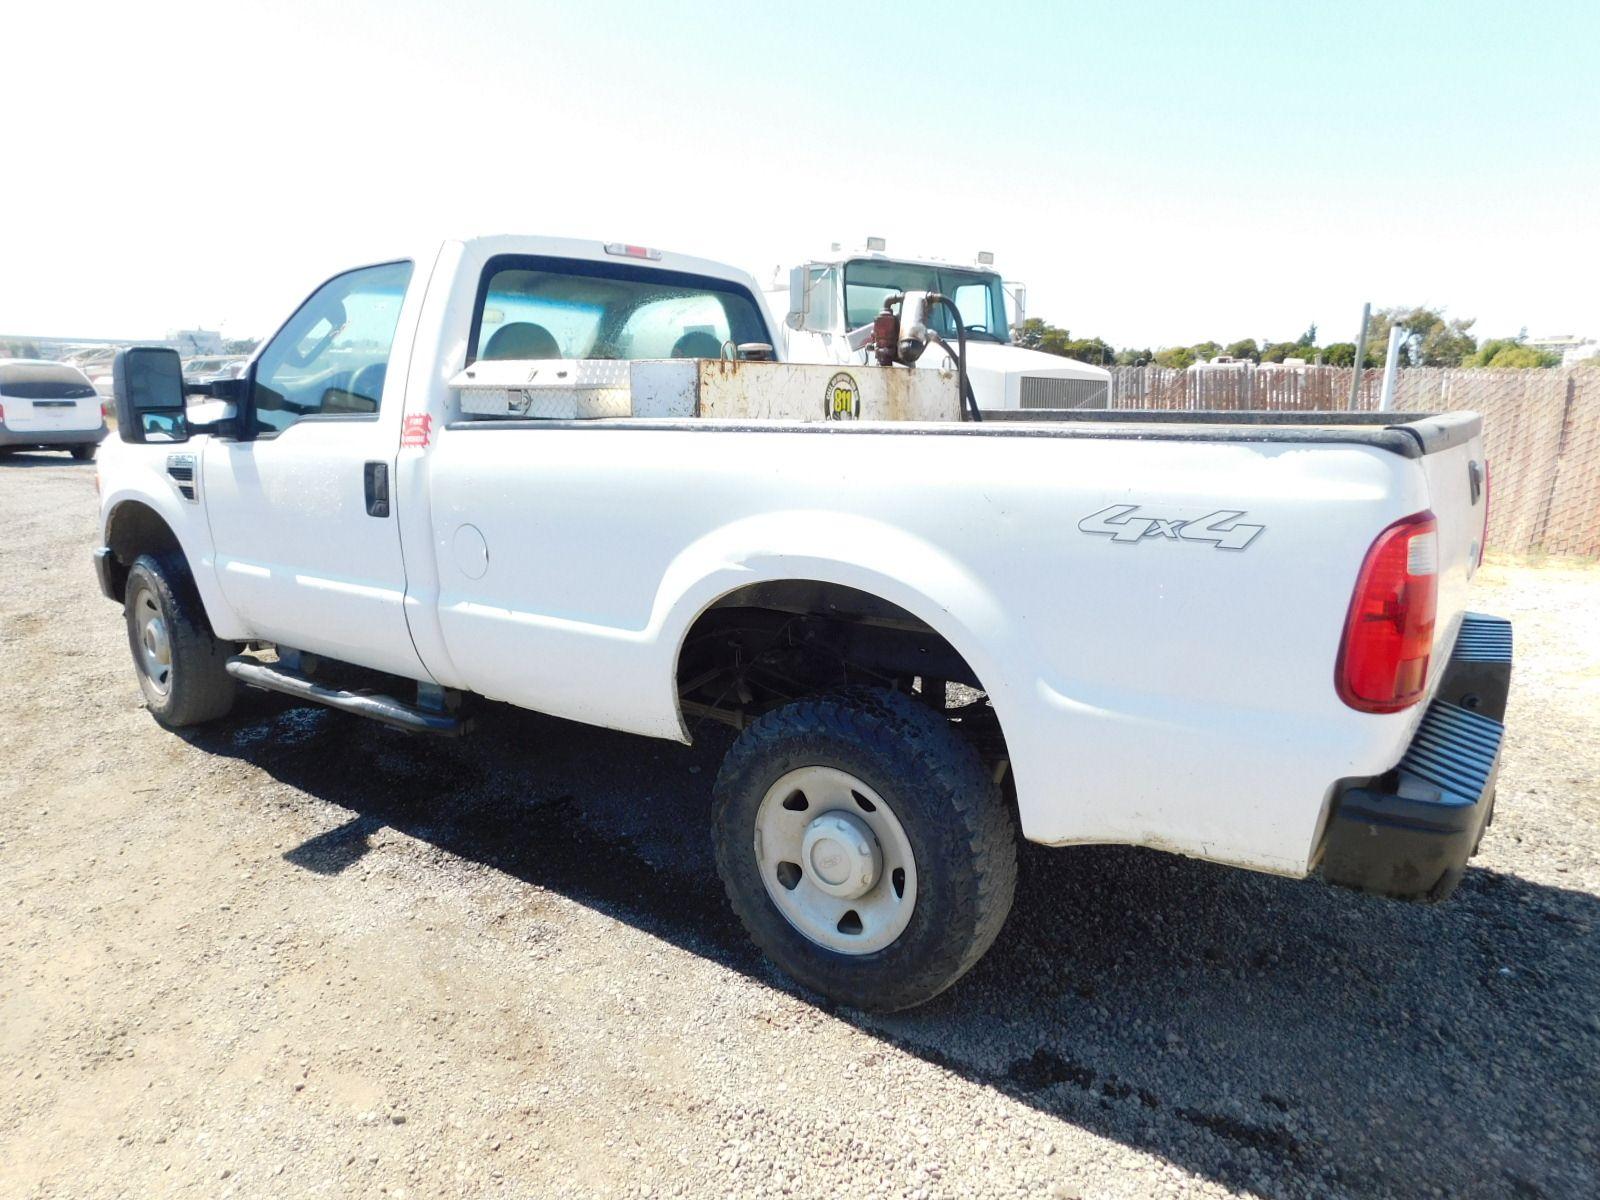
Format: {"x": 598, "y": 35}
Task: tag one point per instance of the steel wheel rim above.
{"x": 152, "y": 643}
{"x": 835, "y": 860}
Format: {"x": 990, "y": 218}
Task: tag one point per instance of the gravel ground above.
{"x": 298, "y": 954}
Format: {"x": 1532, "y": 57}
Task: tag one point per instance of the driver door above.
{"x": 302, "y": 515}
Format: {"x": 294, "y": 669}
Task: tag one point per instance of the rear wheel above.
{"x": 864, "y": 847}
{"x": 84, "y": 453}
{"x": 180, "y": 662}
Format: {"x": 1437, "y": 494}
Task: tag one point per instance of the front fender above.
{"x": 186, "y": 520}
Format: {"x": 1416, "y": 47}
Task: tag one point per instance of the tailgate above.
{"x": 1457, "y": 477}
{"x": 46, "y": 416}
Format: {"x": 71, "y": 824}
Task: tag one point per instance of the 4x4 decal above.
{"x": 1126, "y": 523}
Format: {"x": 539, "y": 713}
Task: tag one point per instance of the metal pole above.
{"x": 1390, "y": 364}
{"x": 1361, "y": 348}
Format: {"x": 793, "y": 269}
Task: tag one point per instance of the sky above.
{"x": 1157, "y": 174}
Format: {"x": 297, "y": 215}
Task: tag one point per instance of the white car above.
{"x": 48, "y": 406}
{"x": 518, "y": 468}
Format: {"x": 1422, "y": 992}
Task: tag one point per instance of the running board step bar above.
{"x": 386, "y": 710}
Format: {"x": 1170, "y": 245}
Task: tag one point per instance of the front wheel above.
{"x": 85, "y": 452}
{"x": 181, "y": 664}
{"x": 864, "y": 847}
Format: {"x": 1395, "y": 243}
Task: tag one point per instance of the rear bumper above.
{"x": 52, "y": 437}
{"x": 1409, "y": 833}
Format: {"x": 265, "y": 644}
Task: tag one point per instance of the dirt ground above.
{"x": 296, "y": 954}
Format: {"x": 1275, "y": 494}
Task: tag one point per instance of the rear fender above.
{"x": 850, "y": 551}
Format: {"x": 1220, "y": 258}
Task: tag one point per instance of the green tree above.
{"x": 1340, "y": 354}
{"x": 1030, "y": 333}
{"x": 1132, "y": 357}
{"x": 1308, "y": 339}
{"x": 1205, "y": 350}
{"x": 1510, "y": 352}
{"x": 1244, "y": 349}
{"x": 1432, "y": 339}
{"x": 1090, "y": 350}
{"x": 1038, "y": 334}
{"x": 1279, "y": 351}
{"x": 1174, "y": 356}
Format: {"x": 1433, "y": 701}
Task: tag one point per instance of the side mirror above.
{"x": 147, "y": 388}
{"x": 799, "y": 296}
{"x": 1019, "y": 305}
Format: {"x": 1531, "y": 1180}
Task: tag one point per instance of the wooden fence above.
{"x": 1541, "y": 430}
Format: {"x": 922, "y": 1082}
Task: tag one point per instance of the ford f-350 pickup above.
{"x": 555, "y": 474}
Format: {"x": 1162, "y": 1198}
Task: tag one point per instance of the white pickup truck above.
{"x": 519, "y": 468}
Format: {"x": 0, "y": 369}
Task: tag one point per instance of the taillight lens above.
{"x": 1388, "y": 636}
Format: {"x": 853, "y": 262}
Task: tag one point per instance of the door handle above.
{"x": 375, "y": 475}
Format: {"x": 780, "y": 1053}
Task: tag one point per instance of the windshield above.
{"x": 568, "y": 308}
{"x": 977, "y": 295}
{"x": 44, "y": 381}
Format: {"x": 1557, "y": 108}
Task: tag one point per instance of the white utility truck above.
{"x": 522, "y": 469}
{"x": 827, "y": 298}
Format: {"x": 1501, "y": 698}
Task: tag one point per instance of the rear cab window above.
{"x": 538, "y": 307}
{"x": 44, "y": 381}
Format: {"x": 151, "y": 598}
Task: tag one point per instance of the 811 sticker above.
{"x": 843, "y": 401}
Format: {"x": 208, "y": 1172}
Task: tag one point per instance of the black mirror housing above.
{"x": 147, "y": 389}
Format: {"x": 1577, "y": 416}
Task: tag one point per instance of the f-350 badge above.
{"x": 1219, "y": 528}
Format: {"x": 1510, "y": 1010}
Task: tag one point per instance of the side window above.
{"x": 972, "y": 302}
{"x": 823, "y": 300}
{"x": 332, "y": 356}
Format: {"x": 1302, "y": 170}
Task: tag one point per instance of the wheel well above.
{"x": 134, "y": 529}
{"x": 766, "y": 644}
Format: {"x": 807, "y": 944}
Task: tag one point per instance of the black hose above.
{"x": 969, "y": 400}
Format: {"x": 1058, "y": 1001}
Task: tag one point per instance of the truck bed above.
{"x": 1411, "y": 435}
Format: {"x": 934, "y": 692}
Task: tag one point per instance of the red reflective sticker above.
{"x": 417, "y": 430}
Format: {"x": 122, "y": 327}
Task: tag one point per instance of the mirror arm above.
{"x": 228, "y": 427}
{"x": 218, "y": 389}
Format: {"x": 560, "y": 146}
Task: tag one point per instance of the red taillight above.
{"x": 1388, "y": 636}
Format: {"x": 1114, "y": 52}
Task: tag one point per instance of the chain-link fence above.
{"x": 1541, "y": 430}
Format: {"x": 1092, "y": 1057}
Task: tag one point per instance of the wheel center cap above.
{"x": 841, "y": 855}
{"x": 155, "y": 640}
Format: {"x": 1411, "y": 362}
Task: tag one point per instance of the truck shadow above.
{"x": 1272, "y": 1035}
{"x": 22, "y": 460}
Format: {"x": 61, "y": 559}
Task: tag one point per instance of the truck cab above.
{"x": 827, "y": 297}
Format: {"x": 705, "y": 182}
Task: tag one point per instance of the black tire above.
{"x": 961, "y": 831}
{"x": 84, "y": 453}
{"x": 196, "y": 686}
